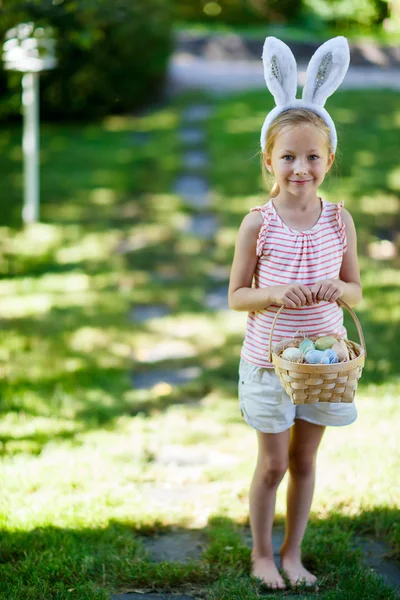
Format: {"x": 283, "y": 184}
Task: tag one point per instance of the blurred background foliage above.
{"x": 112, "y": 55}
{"x": 339, "y": 14}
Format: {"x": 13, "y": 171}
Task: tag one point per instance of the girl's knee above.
{"x": 301, "y": 465}
{"x": 273, "y": 471}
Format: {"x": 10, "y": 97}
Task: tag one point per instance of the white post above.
{"x": 30, "y": 49}
{"x": 30, "y": 145}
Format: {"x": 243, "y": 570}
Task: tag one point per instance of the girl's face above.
{"x": 300, "y": 160}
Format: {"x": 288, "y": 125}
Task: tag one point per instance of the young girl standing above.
{"x": 297, "y": 250}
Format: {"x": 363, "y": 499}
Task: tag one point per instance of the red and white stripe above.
{"x": 287, "y": 256}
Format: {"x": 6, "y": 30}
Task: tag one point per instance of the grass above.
{"x": 309, "y": 30}
{"x": 86, "y": 472}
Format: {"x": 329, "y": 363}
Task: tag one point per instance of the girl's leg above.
{"x": 271, "y": 466}
{"x": 304, "y": 442}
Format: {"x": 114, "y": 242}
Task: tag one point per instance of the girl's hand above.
{"x": 327, "y": 290}
{"x": 291, "y": 296}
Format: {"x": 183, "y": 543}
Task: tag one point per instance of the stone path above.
{"x": 193, "y": 188}
{"x": 375, "y": 557}
{"x": 195, "y": 159}
{"x": 183, "y": 547}
{"x": 187, "y": 545}
{"x": 142, "y": 312}
{"x": 152, "y": 378}
{"x": 218, "y": 299}
{"x": 227, "y": 63}
{"x": 144, "y": 596}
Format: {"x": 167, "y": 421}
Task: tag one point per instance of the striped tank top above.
{"x": 287, "y": 256}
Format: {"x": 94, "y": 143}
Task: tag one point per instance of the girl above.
{"x": 301, "y": 252}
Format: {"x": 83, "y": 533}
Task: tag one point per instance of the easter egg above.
{"x": 332, "y": 356}
{"x": 341, "y": 350}
{"x": 325, "y": 342}
{"x": 292, "y": 354}
{"x": 306, "y": 345}
{"x": 315, "y": 357}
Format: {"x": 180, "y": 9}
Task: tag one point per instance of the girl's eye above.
{"x": 287, "y": 156}
{"x": 314, "y": 157}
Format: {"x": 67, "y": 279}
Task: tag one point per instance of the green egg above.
{"x": 325, "y": 342}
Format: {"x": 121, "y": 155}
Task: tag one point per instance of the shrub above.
{"x": 239, "y": 12}
{"x": 112, "y": 54}
{"x": 342, "y": 13}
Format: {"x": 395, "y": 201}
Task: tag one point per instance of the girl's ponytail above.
{"x": 275, "y": 190}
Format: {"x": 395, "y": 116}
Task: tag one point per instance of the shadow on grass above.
{"x": 94, "y": 395}
{"x": 94, "y": 562}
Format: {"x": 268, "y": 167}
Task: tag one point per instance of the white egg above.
{"x": 293, "y": 354}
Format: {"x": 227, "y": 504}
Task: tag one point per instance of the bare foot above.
{"x": 265, "y": 569}
{"x": 296, "y": 572}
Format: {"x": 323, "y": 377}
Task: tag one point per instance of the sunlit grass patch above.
{"x": 91, "y": 464}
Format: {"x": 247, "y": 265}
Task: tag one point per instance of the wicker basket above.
{"x": 310, "y": 383}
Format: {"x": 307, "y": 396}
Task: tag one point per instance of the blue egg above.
{"x": 331, "y": 355}
{"x": 306, "y": 346}
{"x": 314, "y": 357}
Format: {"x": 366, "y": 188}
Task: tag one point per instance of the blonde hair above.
{"x": 291, "y": 117}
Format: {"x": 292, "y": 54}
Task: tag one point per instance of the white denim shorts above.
{"x": 267, "y": 407}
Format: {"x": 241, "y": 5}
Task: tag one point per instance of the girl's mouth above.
{"x": 303, "y": 182}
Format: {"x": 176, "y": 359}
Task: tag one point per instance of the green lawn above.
{"x": 311, "y": 30}
{"x": 81, "y": 473}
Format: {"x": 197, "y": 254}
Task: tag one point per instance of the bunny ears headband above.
{"x": 325, "y": 72}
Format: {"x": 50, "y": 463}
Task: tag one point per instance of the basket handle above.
{"x": 341, "y": 303}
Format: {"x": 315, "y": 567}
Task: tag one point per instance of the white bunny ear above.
{"x": 326, "y": 70}
{"x": 280, "y": 70}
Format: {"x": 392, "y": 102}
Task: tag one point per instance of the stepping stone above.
{"x": 195, "y": 159}
{"x": 219, "y": 273}
{"x": 168, "y": 349}
{"x": 278, "y": 535}
{"x": 191, "y": 456}
{"x": 142, "y": 381}
{"x": 180, "y": 547}
{"x": 197, "y": 112}
{"x": 167, "y": 273}
{"x": 172, "y": 495}
{"x": 218, "y": 299}
{"x": 202, "y": 226}
{"x": 140, "y": 138}
{"x": 382, "y": 250}
{"x": 192, "y": 136}
{"x": 168, "y": 457}
{"x": 374, "y": 556}
{"x": 193, "y": 189}
{"x": 142, "y": 313}
{"x": 142, "y": 596}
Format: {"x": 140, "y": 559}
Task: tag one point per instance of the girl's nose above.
{"x": 300, "y": 169}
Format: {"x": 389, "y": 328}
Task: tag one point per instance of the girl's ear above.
{"x": 268, "y": 162}
{"x": 331, "y": 160}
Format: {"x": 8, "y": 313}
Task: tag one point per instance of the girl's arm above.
{"x": 241, "y": 295}
{"x": 350, "y": 270}
{"x": 348, "y": 286}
